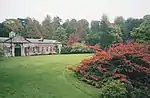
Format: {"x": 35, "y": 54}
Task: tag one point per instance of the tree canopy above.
{"x": 101, "y": 32}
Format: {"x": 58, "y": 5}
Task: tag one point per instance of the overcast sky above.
{"x": 87, "y": 9}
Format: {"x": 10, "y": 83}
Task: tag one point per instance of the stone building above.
{"x": 16, "y": 45}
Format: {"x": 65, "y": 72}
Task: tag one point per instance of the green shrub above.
{"x": 142, "y": 92}
{"x": 66, "y": 49}
{"x": 113, "y": 89}
{"x": 76, "y": 48}
{"x": 80, "y": 48}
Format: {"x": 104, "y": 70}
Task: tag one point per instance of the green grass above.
{"x": 42, "y": 77}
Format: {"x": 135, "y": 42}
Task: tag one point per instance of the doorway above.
{"x": 17, "y": 50}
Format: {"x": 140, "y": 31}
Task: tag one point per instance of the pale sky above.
{"x": 78, "y": 9}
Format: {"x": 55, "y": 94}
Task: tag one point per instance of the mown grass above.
{"x": 42, "y": 77}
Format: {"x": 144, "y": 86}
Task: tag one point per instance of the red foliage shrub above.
{"x": 130, "y": 63}
{"x": 73, "y": 38}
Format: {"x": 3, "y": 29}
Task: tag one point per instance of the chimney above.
{"x": 42, "y": 38}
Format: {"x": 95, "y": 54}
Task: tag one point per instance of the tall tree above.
{"x": 4, "y": 30}
{"x": 146, "y": 18}
{"x": 104, "y": 24}
{"x": 48, "y": 29}
{"x": 95, "y": 26}
{"x": 142, "y": 33}
{"x": 119, "y": 21}
{"x": 82, "y": 28}
{"x": 70, "y": 26}
{"x": 130, "y": 23}
{"x": 109, "y": 33}
{"x": 56, "y": 22}
{"x": 60, "y": 35}
{"x": 14, "y": 25}
{"x": 33, "y": 28}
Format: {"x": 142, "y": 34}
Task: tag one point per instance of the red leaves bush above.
{"x": 129, "y": 63}
{"x": 73, "y": 38}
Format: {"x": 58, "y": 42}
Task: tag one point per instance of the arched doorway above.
{"x": 17, "y": 50}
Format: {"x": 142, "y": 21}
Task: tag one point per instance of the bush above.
{"x": 66, "y": 50}
{"x": 76, "y": 48}
{"x": 129, "y": 63}
{"x": 80, "y": 48}
{"x": 137, "y": 92}
{"x": 113, "y": 89}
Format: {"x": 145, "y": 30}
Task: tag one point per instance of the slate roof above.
{"x": 2, "y": 39}
{"x": 42, "y": 41}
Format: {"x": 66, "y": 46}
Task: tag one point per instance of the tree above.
{"x": 14, "y": 25}
{"x": 60, "y": 35}
{"x": 109, "y": 33}
{"x": 28, "y": 27}
{"x": 130, "y": 23}
{"x": 82, "y": 28}
{"x": 142, "y": 33}
{"x": 119, "y": 21}
{"x": 95, "y": 26}
{"x": 146, "y": 18}
{"x": 104, "y": 24}
{"x": 106, "y": 37}
{"x": 48, "y": 28}
{"x": 70, "y": 26}
{"x": 33, "y": 28}
{"x": 56, "y": 22}
{"x": 4, "y": 30}
{"x": 93, "y": 39}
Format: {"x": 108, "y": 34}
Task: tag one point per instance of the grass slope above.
{"x": 42, "y": 77}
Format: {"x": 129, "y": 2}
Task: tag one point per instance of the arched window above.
{"x": 34, "y": 49}
{"x": 38, "y": 49}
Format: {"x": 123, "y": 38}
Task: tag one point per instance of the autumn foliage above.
{"x": 129, "y": 63}
{"x": 73, "y": 38}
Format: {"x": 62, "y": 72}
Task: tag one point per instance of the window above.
{"x": 47, "y": 49}
{"x": 42, "y": 49}
{"x": 52, "y": 49}
{"x": 38, "y": 49}
{"x": 34, "y": 49}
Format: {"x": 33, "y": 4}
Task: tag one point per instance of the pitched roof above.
{"x": 3, "y": 39}
{"x": 42, "y": 41}
{"x": 16, "y": 39}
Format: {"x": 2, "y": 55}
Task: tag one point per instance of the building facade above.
{"x": 20, "y": 46}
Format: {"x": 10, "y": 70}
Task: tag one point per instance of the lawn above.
{"x": 42, "y": 77}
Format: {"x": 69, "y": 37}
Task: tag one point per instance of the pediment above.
{"x": 17, "y": 39}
